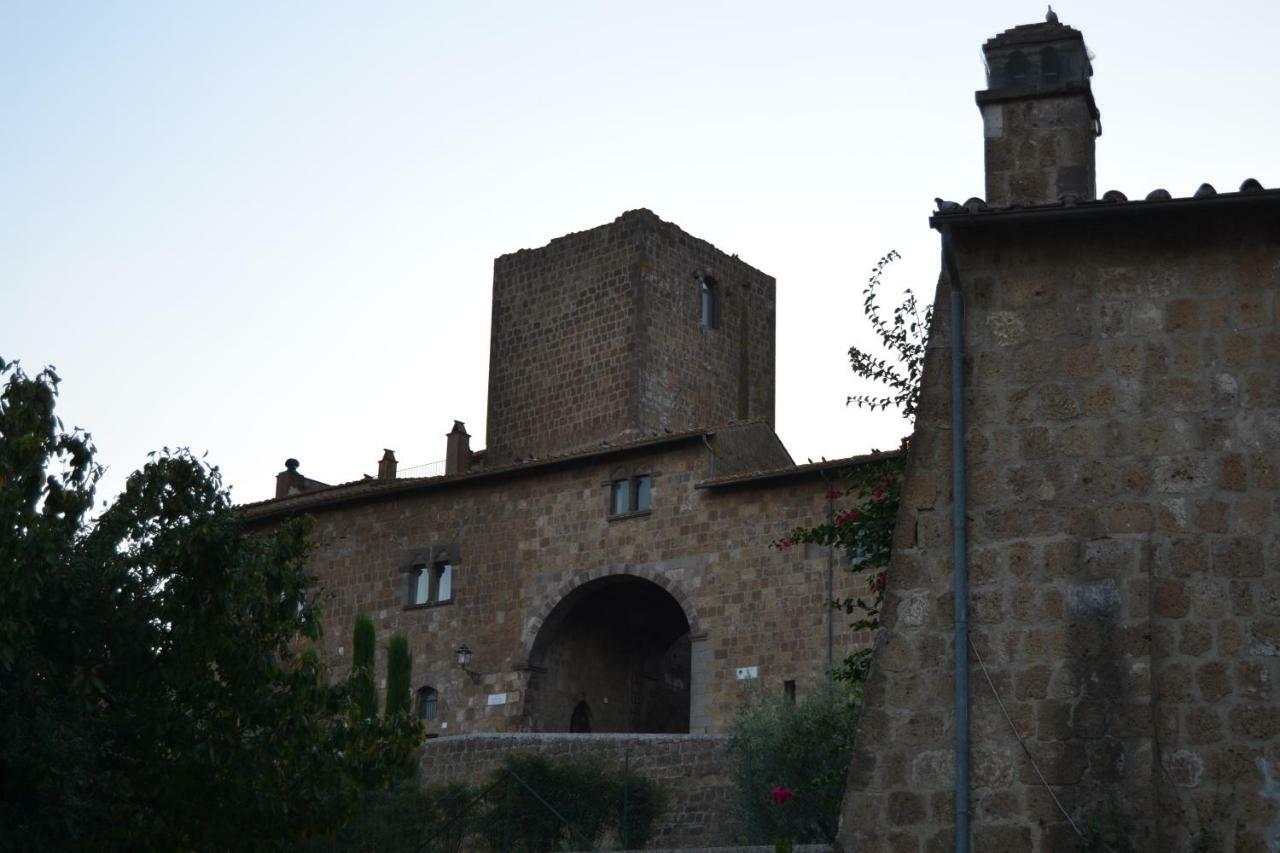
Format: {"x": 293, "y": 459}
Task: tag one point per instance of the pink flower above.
{"x": 879, "y": 582}
{"x": 780, "y": 795}
{"x": 879, "y": 493}
{"x": 848, "y": 517}
{"x": 784, "y": 544}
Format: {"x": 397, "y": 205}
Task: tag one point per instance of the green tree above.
{"x": 399, "y": 670}
{"x": 363, "y": 643}
{"x": 158, "y": 687}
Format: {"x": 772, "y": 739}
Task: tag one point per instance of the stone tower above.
{"x": 1039, "y": 117}
{"x": 625, "y": 330}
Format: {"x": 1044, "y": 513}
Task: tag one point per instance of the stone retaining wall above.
{"x": 694, "y": 770}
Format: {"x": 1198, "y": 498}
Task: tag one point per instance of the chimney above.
{"x": 457, "y": 457}
{"x": 387, "y": 465}
{"x": 1038, "y": 115}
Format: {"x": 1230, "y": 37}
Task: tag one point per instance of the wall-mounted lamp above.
{"x": 464, "y": 658}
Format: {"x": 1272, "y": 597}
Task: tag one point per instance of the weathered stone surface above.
{"x": 1124, "y": 537}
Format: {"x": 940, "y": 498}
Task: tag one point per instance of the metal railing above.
{"x": 430, "y": 469}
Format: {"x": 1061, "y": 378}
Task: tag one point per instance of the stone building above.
{"x": 605, "y": 563}
{"x": 1121, "y": 457}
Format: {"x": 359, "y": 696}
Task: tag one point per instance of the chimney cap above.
{"x": 388, "y": 455}
{"x": 291, "y": 464}
{"x": 459, "y": 427}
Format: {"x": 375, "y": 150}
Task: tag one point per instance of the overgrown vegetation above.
{"x": 158, "y": 684}
{"x": 861, "y": 524}
{"x": 801, "y": 748}
{"x": 791, "y": 761}
{"x": 532, "y": 804}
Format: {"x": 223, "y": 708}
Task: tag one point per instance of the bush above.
{"x": 504, "y": 815}
{"x": 803, "y": 748}
{"x": 588, "y": 794}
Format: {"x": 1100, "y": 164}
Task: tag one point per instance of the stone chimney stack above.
{"x": 387, "y": 465}
{"x": 1038, "y": 115}
{"x": 291, "y": 482}
{"x": 457, "y": 457}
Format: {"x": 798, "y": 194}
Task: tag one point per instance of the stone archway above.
{"x": 619, "y": 645}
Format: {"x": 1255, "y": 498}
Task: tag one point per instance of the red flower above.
{"x": 879, "y": 493}
{"x": 835, "y": 495}
{"x": 848, "y": 517}
{"x": 784, "y": 544}
{"x": 879, "y": 582}
{"x": 780, "y": 795}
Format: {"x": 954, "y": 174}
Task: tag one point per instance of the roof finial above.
{"x": 1052, "y": 16}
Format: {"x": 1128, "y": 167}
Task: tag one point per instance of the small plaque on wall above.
{"x": 497, "y": 698}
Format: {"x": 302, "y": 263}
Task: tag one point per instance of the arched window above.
{"x": 581, "y": 719}
{"x": 1050, "y": 65}
{"x": 1015, "y": 70}
{"x": 708, "y": 296}
{"x": 428, "y": 703}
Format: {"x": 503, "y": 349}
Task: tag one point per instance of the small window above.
{"x": 431, "y": 584}
{"x": 789, "y": 690}
{"x": 707, "y": 298}
{"x": 634, "y": 494}
{"x": 428, "y": 703}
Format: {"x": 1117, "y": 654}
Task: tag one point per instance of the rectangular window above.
{"x": 631, "y": 495}
{"x": 644, "y": 493}
{"x": 444, "y": 582}
{"x": 621, "y": 501}
{"x": 430, "y": 584}
{"x": 421, "y": 586}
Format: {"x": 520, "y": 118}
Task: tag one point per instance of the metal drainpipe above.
{"x": 959, "y": 503}
{"x": 831, "y": 585}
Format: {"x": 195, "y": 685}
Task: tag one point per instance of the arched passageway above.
{"x": 612, "y": 656}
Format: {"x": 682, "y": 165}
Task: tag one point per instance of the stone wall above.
{"x": 597, "y": 335}
{"x": 1123, "y": 387}
{"x": 693, "y": 769}
{"x": 524, "y": 541}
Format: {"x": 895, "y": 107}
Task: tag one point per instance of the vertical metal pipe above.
{"x": 831, "y": 586}
{"x": 959, "y": 505}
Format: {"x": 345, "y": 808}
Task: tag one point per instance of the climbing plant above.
{"x": 865, "y": 506}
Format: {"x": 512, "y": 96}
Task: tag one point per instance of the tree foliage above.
{"x": 399, "y": 671}
{"x": 802, "y": 747}
{"x": 364, "y": 641}
{"x": 903, "y": 337}
{"x": 158, "y": 689}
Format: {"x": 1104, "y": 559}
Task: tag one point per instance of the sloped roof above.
{"x": 1113, "y": 203}
{"x": 358, "y": 491}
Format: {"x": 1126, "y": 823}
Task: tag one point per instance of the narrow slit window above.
{"x": 707, "y": 298}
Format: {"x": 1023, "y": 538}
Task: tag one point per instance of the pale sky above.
{"x": 267, "y": 229}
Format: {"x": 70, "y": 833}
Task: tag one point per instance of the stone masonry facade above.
{"x": 605, "y": 565}
{"x": 597, "y": 337}
{"x": 1122, "y": 383}
{"x": 525, "y": 539}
